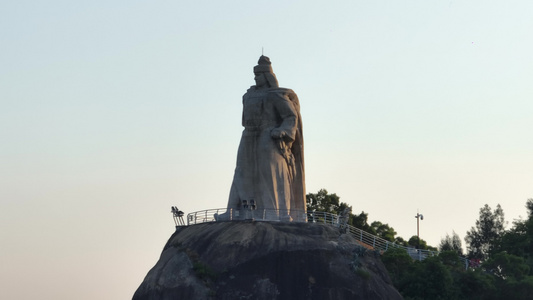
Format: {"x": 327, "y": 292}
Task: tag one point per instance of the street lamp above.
{"x": 418, "y": 218}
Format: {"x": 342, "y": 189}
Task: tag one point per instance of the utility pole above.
{"x": 418, "y": 218}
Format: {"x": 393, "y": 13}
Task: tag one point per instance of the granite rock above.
{"x": 265, "y": 260}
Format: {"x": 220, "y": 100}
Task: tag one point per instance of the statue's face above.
{"x": 260, "y": 80}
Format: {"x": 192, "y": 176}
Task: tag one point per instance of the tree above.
{"x": 506, "y": 272}
{"x": 475, "y": 284}
{"x": 518, "y": 240}
{"x": 506, "y": 266}
{"x": 322, "y": 201}
{"x": 451, "y": 243}
{"x": 417, "y": 243}
{"x": 384, "y": 231}
{"x": 397, "y": 262}
{"x": 400, "y": 241}
{"x": 360, "y": 221}
{"x": 428, "y": 279}
{"x": 482, "y": 238}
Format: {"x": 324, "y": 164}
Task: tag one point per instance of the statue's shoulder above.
{"x": 272, "y": 92}
{"x": 283, "y": 91}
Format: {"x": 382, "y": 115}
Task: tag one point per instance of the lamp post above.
{"x": 418, "y": 218}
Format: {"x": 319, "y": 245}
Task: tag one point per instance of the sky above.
{"x": 114, "y": 111}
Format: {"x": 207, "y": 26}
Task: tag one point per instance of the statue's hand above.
{"x": 283, "y": 139}
{"x": 277, "y": 133}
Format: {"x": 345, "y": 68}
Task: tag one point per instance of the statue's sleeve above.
{"x": 242, "y": 121}
{"x": 287, "y": 113}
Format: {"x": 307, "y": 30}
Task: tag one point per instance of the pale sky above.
{"x": 114, "y": 111}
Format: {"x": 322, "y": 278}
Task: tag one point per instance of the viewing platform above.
{"x": 366, "y": 239}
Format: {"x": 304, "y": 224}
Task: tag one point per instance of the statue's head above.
{"x": 264, "y": 74}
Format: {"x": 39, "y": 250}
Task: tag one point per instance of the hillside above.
{"x": 265, "y": 260}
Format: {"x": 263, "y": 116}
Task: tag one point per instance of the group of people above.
{"x": 178, "y": 216}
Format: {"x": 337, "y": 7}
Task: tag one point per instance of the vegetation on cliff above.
{"x": 501, "y": 261}
{"x": 323, "y": 201}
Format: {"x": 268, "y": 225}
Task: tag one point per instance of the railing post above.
{"x": 360, "y": 235}
{"x": 374, "y": 242}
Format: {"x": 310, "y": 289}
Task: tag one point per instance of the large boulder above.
{"x": 265, "y": 260}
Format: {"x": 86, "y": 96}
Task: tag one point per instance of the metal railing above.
{"x": 225, "y": 214}
{"x": 374, "y": 242}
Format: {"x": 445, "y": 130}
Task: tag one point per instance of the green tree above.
{"x": 417, "y": 243}
{"x": 519, "y": 239}
{"x": 451, "y": 243}
{"x": 506, "y": 266}
{"x": 519, "y": 289}
{"x": 428, "y": 279}
{"x": 451, "y": 259}
{"x": 384, "y": 231}
{"x": 510, "y": 276}
{"x": 397, "y": 262}
{"x": 474, "y": 284}
{"x": 360, "y": 221}
{"x": 439, "y": 277}
{"x": 400, "y": 241}
{"x": 506, "y": 272}
{"x": 322, "y": 201}
{"x": 482, "y": 238}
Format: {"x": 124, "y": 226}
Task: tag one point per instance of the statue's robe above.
{"x": 270, "y": 171}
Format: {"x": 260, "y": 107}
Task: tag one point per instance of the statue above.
{"x": 269, "y": 177}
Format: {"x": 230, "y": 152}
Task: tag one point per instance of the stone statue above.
{"x": 269, "y": 177}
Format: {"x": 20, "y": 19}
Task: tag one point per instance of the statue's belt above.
{"x": 263, "y": 126}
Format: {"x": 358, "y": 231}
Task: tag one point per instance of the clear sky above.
{"x": 113, "y": 111}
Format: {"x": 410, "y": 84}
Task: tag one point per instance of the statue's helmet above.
{"x": 265, "y": 66}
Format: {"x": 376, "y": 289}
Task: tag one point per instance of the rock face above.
{"x": 265, "y": 260}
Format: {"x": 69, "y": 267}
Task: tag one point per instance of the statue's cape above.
{"x": 298, "y": 201}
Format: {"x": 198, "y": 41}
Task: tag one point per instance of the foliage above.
{"x": 451, "y": 259}
{"x": 489, "y": 228}
{"x": 428, "y": 279}
{"x": 519, "y": 239}
{"x": 417, "y": 243}
{"x": 203, "y": 271}
{"x": 451, "y": 243}
{"x": 506, "y": 272}
{"x": 505, "y": 266}
{"x": 438, "y": 277}
{"x": 363, "y": 273}
{"x": 397, "y": 262}
{"x": 475, "y": 284}
{"x": 360, "y": 221}
{"x": 400, "y": 241}
{"x": 357, "y": 266}
{"x": 322, "y": 201}
{"x": 384, "y": 231}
